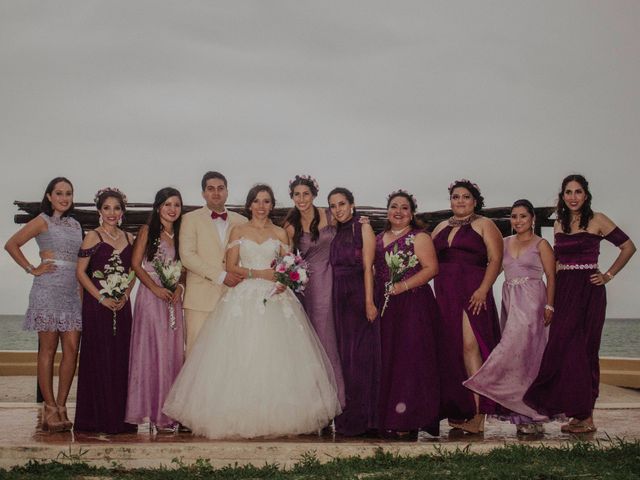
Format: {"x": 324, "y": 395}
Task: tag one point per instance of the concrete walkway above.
{"x": 617, "y": 415}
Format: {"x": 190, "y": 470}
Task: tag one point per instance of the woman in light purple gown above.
{"x": 469, "y": 250}
{"x": 569, "y": 378}
{"x": 311, "y": 230}
{"x": 527, "y": 310}
{"x": 157, "y": 341}
{"x": 409, "y": 385}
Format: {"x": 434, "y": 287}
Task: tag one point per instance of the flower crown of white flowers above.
{"x": 109, "y": 189}
{"x": 400, "y": 190}
{"x": 307, "y": 178}
{"x": 464, "y": 180}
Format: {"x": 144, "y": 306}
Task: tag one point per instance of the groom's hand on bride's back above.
{"x": 232, "y": 279}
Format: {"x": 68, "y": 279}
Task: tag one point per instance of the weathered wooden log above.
{"x": 138, "y": 213}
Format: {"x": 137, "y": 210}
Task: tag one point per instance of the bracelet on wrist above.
{"x": 406, "y": 287}
{"x": 549, "y": 307}
{"x": 101, "y": 299}
{"x": 29, "y": 269}
{"x": 250, "y": 273}
{"x": 609, "y": 275}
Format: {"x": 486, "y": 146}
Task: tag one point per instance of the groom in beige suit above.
{"x": 203, "y": 239}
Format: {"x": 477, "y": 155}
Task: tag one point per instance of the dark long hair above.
{"x": 473, "y": 189}
{"x": 294, "y": 218}
{"x": 526, "y": 204}
{"x": 347, "y": 194}
{"x": 562, "y": 211}
{"x": 414, "y": 223}
{"x": 252, "y": 195}
{"x": 45, "y": 205}
{"x": 156, "y": 227}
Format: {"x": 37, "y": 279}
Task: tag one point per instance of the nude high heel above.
{"x": 475, "y": 425}
{"x": 51, "y": 420}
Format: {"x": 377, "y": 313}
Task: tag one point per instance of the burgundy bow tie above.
{"x": 223, "y": 216}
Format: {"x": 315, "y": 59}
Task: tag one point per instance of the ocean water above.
{"x": 620, "y": 338}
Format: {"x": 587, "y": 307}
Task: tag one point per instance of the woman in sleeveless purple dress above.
{"x": 569, "y": 378}
{"x": 310, "y": 230}
{"x": 469, "y": 251}
{"x": 409, "y": 385}
{"x": 527, "y": 310}
{"x": 157, "y": 339}
{"x": 54, "y": 301}
{"x": 104, "y": 351}
{"x": 357, "y": 330}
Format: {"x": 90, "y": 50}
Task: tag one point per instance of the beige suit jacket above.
{"x": 203, "y": 255}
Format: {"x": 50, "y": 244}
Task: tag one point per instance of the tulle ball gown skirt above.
{"x": 256, "y": 370}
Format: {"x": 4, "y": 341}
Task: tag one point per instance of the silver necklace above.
{"x": 170, "y": 235}
{"x": 112, "y": 237}
{"x": 398, "y": 232}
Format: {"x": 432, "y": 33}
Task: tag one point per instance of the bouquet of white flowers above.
{"x": 399, "y": 262}
{"x": 114, "y": 280}
{"x": 169, "y": 272}
{"x": 291, "y": 271}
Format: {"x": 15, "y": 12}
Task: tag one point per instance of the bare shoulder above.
{"x": 91, "y": 239}
{"x": 280, "y": 233}
{"x": 439, "y": 228}
{"x": 603, "y": 223}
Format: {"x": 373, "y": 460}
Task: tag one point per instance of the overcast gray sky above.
{"x": 371, "y": 95}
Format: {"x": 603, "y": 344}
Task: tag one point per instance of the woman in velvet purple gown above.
{"x": 409, "y": 384}
{"x": 104, "y": 348}
{"x": 357, "y": 331}
{"x": 311, "y": 230}
{"x": 469, "y": 250}
{"x": 157, "y": 337}
{"x": 568, "y": 382}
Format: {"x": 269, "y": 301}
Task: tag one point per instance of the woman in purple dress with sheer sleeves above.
{"x": 54, "y": 301}
{"x": 106, "y": 324}
{"x": 569, "y": 378}
{"x": 527, "y": 310}
{"x": 409, "y": 385}
{"x": 157, "y": 336}
{"x": 357, "y": 330}
{"x": 469, "y": 251}
{"x": 310, "y": 231}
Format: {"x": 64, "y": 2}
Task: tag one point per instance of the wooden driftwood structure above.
{"x": 138, "y": 213}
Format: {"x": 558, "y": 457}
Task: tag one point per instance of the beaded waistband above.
{"x": 517, "y": 280}
{"x": 579, "y": 266}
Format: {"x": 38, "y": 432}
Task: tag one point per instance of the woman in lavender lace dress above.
{"x": 310, "y": 230}
{"x": 568, "y": 382}
{"x": 54, "y": 301}
{"x": 157, "y": 341}
{"x": 527, "y": 310}
{"x": 106, "y": 324}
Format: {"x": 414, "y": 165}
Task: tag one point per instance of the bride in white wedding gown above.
{"x": 257, "y": 368}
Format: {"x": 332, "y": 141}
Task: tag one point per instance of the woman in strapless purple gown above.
{"x": 409, "y": 385}
{"x": 569, "y": 378}
{"x": 104, "y": 348}
{"x": 357, "y": 328}
{"x": 469, "y": 250}
{"x": 157, "y": 337}
{"x": 527, "y": 310}
{"x": 310, "y": 230}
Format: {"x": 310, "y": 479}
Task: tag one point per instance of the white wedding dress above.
{"x": 257, "y": 369}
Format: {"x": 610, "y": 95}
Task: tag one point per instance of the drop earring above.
{"x": 100, "y": 220}
{"x": 120, "y": 221}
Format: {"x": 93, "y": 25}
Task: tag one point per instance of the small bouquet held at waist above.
{"x": 291, "y": 271}
{"x": 169, "y": 272}
{"x": 114, "y": 281}
{"x": 398, "y": 262}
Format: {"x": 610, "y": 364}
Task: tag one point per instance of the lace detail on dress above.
{"x": 235, "y": 243}
{"x": 87, "y": 252}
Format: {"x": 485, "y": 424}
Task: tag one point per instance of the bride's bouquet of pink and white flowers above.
{"x": 114, "y": 281}
{"x": 169, "y": 272}
{"x": 291, "y": 271}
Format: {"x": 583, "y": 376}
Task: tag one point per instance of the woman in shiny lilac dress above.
{"x": 54, "y": 301}
{"x": 157, "y": 340}
{"x": 469, "y": 250}
{"x": 409, "y": 385}
{"x": 357, "y": 330}
{"x": 310, "y": 231}
{"x": 104, "y": 350}
{"x": 568, "y": 382}
{"x": 527, "y": 310}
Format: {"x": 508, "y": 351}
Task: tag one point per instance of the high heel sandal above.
{"x": 475, "y": 425}
{"x": 62, "y": 413}
{"x": 51, "y": 420}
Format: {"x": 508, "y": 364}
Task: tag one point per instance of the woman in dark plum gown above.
{"x": 568, "y": 382}
{"x": 104, "y": 352}
{"x": 357, "y": 331}
{"x": 311, "y": 230}
{"x": 469, "y": 250}
{"x": 409, "y": 385}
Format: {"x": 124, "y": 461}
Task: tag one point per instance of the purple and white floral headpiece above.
{"x": 464, "y": 180}
{"x": 400, "y": 190}
{"x": 307, "y": 178}
{"x": 109, "y": 189}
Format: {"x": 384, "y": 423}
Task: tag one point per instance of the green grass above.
{"x": 611, "y": 460}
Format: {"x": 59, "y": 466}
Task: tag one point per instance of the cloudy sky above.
{"x": 371, "y": 95}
